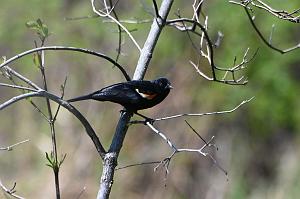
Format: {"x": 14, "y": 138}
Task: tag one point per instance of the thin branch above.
{"x": 10, "y": 148}
{"x": 208, "y": 52}
{"x": 281, "y": 14}
{"x": 260, "y": 34}
{"x": 162, "y": 135}
{"x": 41, "y": 93}
{"x": 166, "y": 161}
{"x": 19, "y": 76}
{"x": 103, "y": 14}
{"x": 199, "y": 136}
{"x": 265, "y": 41}
{"x": 23, "y": 89}
{"x": 207, "y": 38}
{"x": 63, "y": 86}
{"x": 204, "y": 114}
{"x": 194, "y": 114}
{"x": 54, "y": 48}
{"x": 137, "y": 164}
{"x": 156, "y": 9}
{"x": 11, "y": 191}
{"x": 129, "y": 21}
{"x": 119, "y": 30}
{"x": 55, "y": 165}
{"x": 17, "y": 87}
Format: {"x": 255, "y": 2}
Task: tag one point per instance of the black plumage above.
{"x": 133, "y": 95}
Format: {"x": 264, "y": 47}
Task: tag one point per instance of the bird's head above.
{"x": 163, "y": 83}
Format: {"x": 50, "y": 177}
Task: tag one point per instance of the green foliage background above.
{"x": 258, "y": 144}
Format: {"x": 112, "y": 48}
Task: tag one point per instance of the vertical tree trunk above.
{"x": 110, "y": 160}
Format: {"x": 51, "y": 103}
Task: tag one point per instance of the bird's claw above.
{"x": 122, "y": 111}
{"x": 149, "y": 120}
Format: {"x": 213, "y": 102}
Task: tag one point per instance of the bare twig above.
{"x": 166, "y": 161}
{"x": 63, "y": 86}
{"x": 194, "y": 114}
{"x": 208, "y": 52}
{"x": 17, "y": 87}
{"x": 281, "y": 14}
{"x": 137, "y": 164}
{"x": 10, "y": 191}
{"x": 265, "y": 40}
{"x": 199, "y": 136}
{"x": 155, "y": 9}
{"x": 107, "y": 14}
{"x": 10, "y": 148}
{"x": 41, "y": 93}
{"x": 130, "y": 21}
{"x": 204, "y": 114}
{"x": 19, "y": 76}
{"x": 162, "y": 135}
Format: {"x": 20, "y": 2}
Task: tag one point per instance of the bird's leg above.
{"x": 147, "y": 119}
{"x": 123, "y": 111}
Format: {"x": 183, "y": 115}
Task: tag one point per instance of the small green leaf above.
{"x": 36, "y": 60}
{"x": 39, "y": 22}
{"x": 31, "y": 24}
{"x": 39, "y": 27}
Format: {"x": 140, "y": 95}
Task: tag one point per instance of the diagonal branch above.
{"x": 152, "y": 38}
{"x": 41, "y": 93}
{"x": 11, "y": 191}
{"x": 281, "y": 14}
{"x": 208, "y": 52}
{"x": 10, "y": 148}
{"x": 17, "y": 87}
{"x": 107, "y": 14}
{"x": 265, "y": 40}
{"x": 110, "y": 160}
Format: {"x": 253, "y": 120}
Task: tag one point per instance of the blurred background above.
{"x": 258, "y": 144}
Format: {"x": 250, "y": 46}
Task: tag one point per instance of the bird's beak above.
{"x": 170, "y": 87}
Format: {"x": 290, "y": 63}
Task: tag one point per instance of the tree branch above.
{"x": 41, "y": 93}
{"x": 55, "y": 48}
{"x": 11, "y": 191}
{"x": 152, "y": 38}
{"x": 194, "y": 114}
{"x": 265, "y": 40}
{"x": 10, "y": 148}
{"x": 110, "y": 160}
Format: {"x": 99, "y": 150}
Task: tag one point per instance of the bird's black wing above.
{"x": 120, "y": 93}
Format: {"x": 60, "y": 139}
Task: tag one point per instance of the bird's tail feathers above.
{"x": 80, "y": 98}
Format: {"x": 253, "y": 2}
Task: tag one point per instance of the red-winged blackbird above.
{"x": 133, "y": 95}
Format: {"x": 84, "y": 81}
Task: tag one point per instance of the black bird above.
{"x": 133, "y": 95}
